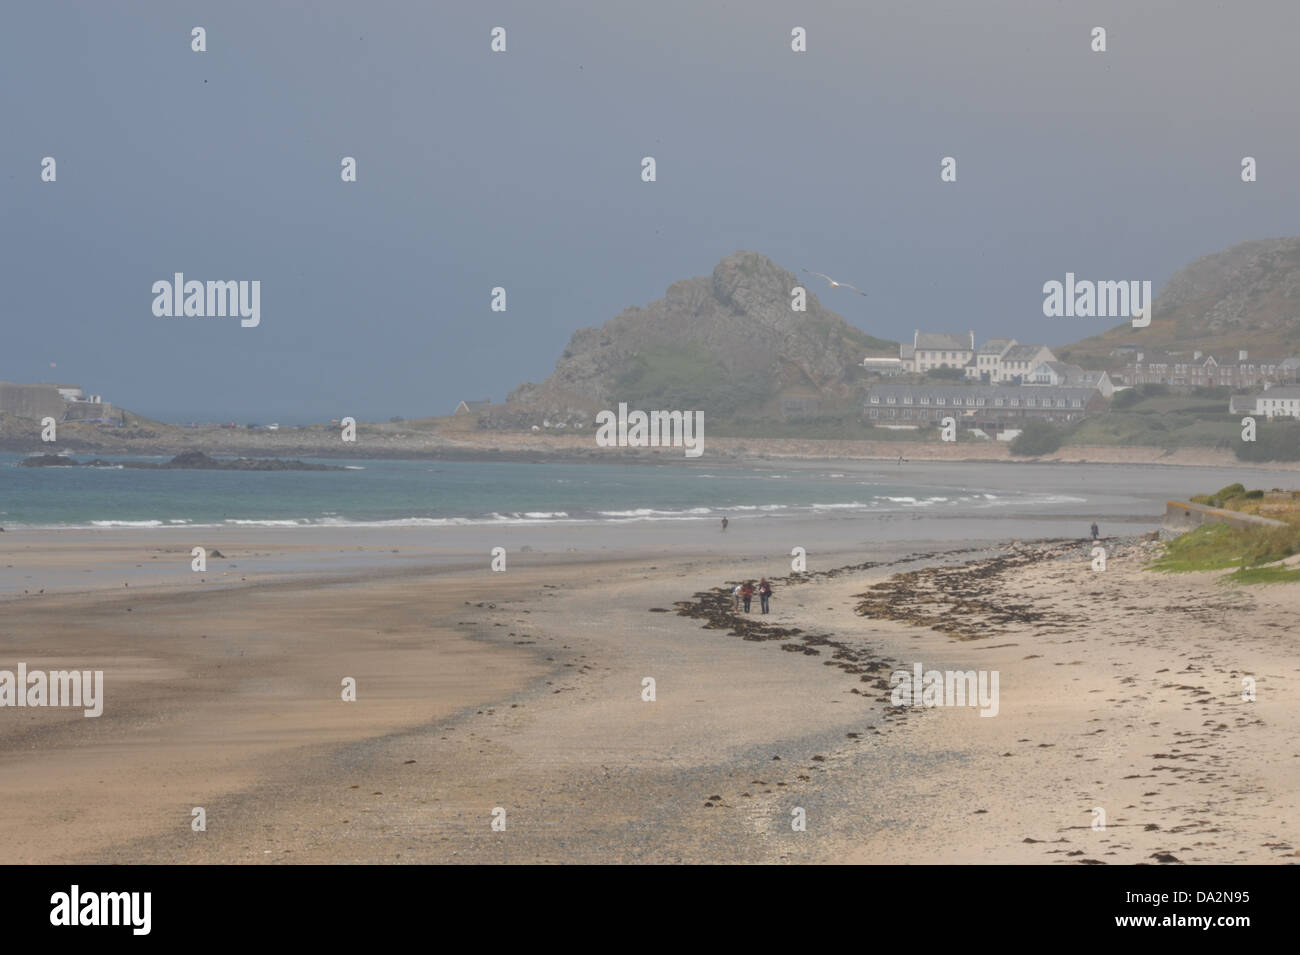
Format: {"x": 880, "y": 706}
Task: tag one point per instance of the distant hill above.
{"x": 1247, "y": 296}
{"x": 727, "y": 343}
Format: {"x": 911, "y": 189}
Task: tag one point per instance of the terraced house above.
{"x": 980, "y": 405}
{"x": 1199, "y": 370}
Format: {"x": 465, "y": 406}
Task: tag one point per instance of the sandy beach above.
{"x": 522, "y": 691}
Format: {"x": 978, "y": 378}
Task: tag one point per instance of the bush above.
{"x": 1273, "y": 442}
{"x": 946, "y": 373}
{"x": 1038, "y": 437}
{"x": 1125, "y": 399}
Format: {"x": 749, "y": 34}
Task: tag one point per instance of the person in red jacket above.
{"x": 747, "y": 594}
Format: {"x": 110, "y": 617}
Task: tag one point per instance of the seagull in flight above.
{"x": 835, "y": 284}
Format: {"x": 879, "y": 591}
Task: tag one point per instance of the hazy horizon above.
{"x": 522, "y": 169}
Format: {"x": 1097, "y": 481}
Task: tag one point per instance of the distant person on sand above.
{"x": 1095, "y": 533}
{"x": 735, "y": 598}
{"x": 747, "y": 594}
{"x": 764, "y": 593}
{"x": 724, "y": 524}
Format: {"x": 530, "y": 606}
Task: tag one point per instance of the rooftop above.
{"x": 935, "y": 341}
{"x": 1022, "y": 352}
{"x": 982, "y": 391}
{"x": 996, "y": 346}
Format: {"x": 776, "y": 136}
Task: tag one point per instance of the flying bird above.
{"x": 835, "y": 284}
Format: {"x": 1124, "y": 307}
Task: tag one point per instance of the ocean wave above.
{"x": 868, "y": 506}
{"x": 238, "y": 522}
{"x": 399, "y": 522}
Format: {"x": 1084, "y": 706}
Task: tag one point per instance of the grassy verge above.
{"x": 1223, "y": 546}
{"x": 1265, "y": 575}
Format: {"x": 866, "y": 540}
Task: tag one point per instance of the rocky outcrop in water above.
{"x": 189, "y": 461}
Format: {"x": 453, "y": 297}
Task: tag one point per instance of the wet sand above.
{"x": 523, "y": 691}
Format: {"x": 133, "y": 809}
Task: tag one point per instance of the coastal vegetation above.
{"x": 669, "y": 376}
{"x": 1038, "y": 437}
{"x": 1254, "y": 551}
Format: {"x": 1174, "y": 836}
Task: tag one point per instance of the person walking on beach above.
{"x": 724, "y": 525}
{"x": 764, "y": 593}
{"x": 735, "y": 598}
{"x": 747, "y": 594}
{"x": 1095, "y": 533}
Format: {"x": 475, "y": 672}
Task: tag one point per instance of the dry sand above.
{"x": 1120, "y": 690}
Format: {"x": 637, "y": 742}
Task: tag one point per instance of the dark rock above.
{"x": 187, "y": 461}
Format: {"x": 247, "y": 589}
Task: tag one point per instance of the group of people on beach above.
{"x": 744, "y": 593}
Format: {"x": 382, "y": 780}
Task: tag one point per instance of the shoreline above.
{"x": 472, "y": 447}
{"x": 524, "y": 690}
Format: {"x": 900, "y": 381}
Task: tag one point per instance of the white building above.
{"x": 884, "y": 364}
{"x": 1019, "y": 361}
{"x": 932, "y": 350}
{"x": 987, "y": 358}
{"x": 1273, "y": 403}
{"x": 1061, "y": 374}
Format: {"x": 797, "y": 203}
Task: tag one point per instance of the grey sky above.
{"x": 523, "y": 170}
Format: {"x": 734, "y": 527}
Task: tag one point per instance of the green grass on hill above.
{"x": 1172, "y": 430}
{"x": 1154, "y": 416}
{"x": 680, "y": 377}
